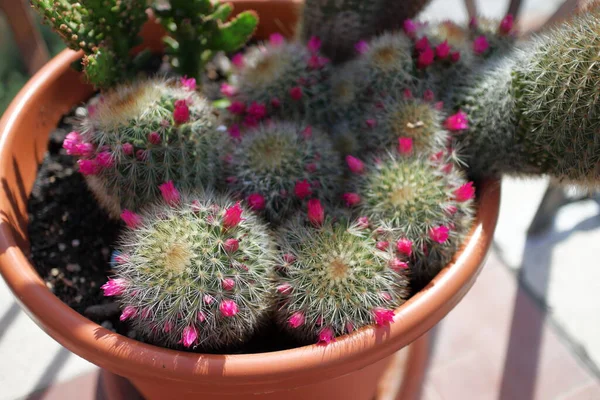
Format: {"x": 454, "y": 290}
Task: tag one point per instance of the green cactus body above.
{"x": 421, "y": 201}
{"x": 334, "y": 280}
{"x": 287, "y": 78}
{"x": 194, "y": 272}
{"x": 143, "y": 134}
{"x": 285, "y": 164}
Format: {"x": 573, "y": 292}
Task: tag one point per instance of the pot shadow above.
{"x": 526, "y": 333}
{"x": 8, "y": 318}
{"x": 50, "y": 373}
{"x": 16, "y": 220}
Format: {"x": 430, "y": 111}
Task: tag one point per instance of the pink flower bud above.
{"x": 88, "y": 167}
{"x": 207, "y": 299}
{"x": 276, "y": 39}
{"x": 238, "y": 60}
{"x": 256, "y": 202}
{"x": 356, "y": 166}
{"x": 289, "y": 258}
{"x": 228, "y": 308}
{"x": 181, "y": 113}
{"x": 131, "y": 219}
{"x": 141, "y": 155}
{"x": 201, "y": 316}
{"x": 371, "y": 123}
{"x": 326, "y": 336}
{"x": 285, "y": 288}
{"x": 257, "y": 110}
{"x": 383, "y": 316}
{"x": 457, "y": 122}
{"x": 455, "y": 56}
{"x": 480, "y": 44}
{"x": 228, "y": 90}
{"x": 404, "y": 246}
{"x": 409, "y": 27}
{"x": 351, "y": 199}
{"x": 296, "y": 93}
{"x": 425, "y": 58}
{"x": 363, "y": 222}
{"x": 114, "y": 287}
{"x": 314, "y": 44}
{"x": 188, "y": 83}
{"x": 422, "y": 44}
{"x": 506, "y": 24}
{"x": 231, "y": 245}
{"x": 439, "y": 234}
{"x": 428, "y": 95}
{"x": 232, "y": 216}
{"x": 105, "y": 159}
{"x": 316, "y": 213}
{"x": 128, "y": 312}
{"x": 442, "y": 50}
{"x": 361, "y": 47}
{"x": 167, "y": 327}
{"x": 302, "y": 189}
{"x": 127, "y": 148}
{"x": 234, "y": 131}
{"x": 71, "y": 142}
{"x": 237, "y": 108}
{"x": 465, "y": 192}
{"x": 407, "y": 94}
{"x": 405, "y": 145}
{"x": 297, "y": 319}
{"x": 169, "y": 193}
{"x": 190, "y": 334}
{"x": 398, "y": 265}
{"x": 382, "y": 245}
{"x": 227, "y": 284}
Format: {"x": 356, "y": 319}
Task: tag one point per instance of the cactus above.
{"x": 141, "y": 134}
{"x": 194, "y": 270}
{"x": 197, "y": 31}
{"x": 106, "y": 31}
{"x": 280, "y": 164}
{"x": 287, "y": 79}
{"x": 334, "y": 279}
{"x": 393, "y": 13}
{"x": 424, "y": 202}
{"x": 500, "y": 36}
{"x": 537, "y": 112}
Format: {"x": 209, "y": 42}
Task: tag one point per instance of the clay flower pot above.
{"x": 349, "y": 368}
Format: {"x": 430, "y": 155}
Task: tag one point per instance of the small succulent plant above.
{"x": 334, "y": 279}
{"x": 144, "y": 133}
{"x": 278, "y": 165}
{"x": 194, "y": 270}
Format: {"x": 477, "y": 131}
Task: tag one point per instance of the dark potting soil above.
{"x": 72, "y": 240}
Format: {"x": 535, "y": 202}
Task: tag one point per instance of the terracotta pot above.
{"x": 347, "y": 369}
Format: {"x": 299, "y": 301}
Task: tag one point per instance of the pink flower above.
{"x": 85, "y": 149}
{"x": 169, "y": 193}
{"x": 349, "y": 327}
{"x": 407, "y": 94}
{"x": 289, "y": 258}
{"x": 361, "y": 47}
{"x": 232, "y": 216}
{"x": 428, "y": 95}
{"x": 310, "y": 167}
{"x": 356, "y": 166}
{"x": 362, "y": 222}
{"x": 121, "y": 258}
{"x": 141, "y": 155}
{"x": 238, "y": 60}
{"x": 231, "y": 245}
{"x": 227, "y": 284}
{"x": 405, "y": 145}
{"x": 383, "y": 316}
{"x": 71, "y": 142}
{"x": 250, "y": 121}
{"x": 314, "y": 44}
{"x": 234, "y": 131}
{"x": 256, "y": 201}
{"x": 422, "y": 44}
{"x": 404, "y": 246}
{"x": 450, "y": 209}
{"x": 398, "y": 265}
{"x": 127, "y": 148}
{"x": 105, "y": 159}
{"x": 465, "y": 192}
{"x": 326, "y": 336}
{"x": 316, "y": 213}
{"x": 190, "y": 334}
{"x": 275, "y": 102}
{"x": 207, "y": 299}
{"x": 188, "y": 83}
{"x": 317, "y": 62}
{"x": 91, "y": 109}
{"x": 409, "y": 27}
{"x": 237, "y": 108}
{"x": 201, "y": 316}
{"x": 128, "y": 312}
{"x": 228, "y": 90}
{"x": 276, "y": 39}
{"x": 457, "y": 122}
{"x": 306, "y": 132}
{"x": 351, "y": 199}
{"x": 455, "y": 56}
{"x": 154, "y": 138}
{"x": 297, "y": 319}
{"x": 426, "y": 58}
{"x": 114, "y": 287}
{"x": 480, "y": 44}
{"x": 506, "y": 24}
{"x": 131, "y": 219}
{"x": 167, "y": 327}
{"x": 228, "y": 308}
{"x": 442, "y": 50}
{"x": 296, "y": 93}
{"x": 302, "y": 189}
{"x": 181, "y": 113}
{"x": 439, "y": 234}
{"x": 284, "y": 288}
{"x": 371, "y": 123}
{"x": 259, "y": 111}
{"x": 88, "y": 167}
{"x": 382, "y": 245}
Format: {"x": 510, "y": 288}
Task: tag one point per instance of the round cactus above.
{"x": 278, "y": 165}
{"x": 425, "y": 203}
{"x": 491, "y": 37}
{"x": 144, "y": 133}
{"x": 335, "y": 279}
{"x": 280, "y": 78}
{"x": 193, "y": 270}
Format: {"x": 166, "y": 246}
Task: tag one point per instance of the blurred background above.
{"x": 529, "y": 328}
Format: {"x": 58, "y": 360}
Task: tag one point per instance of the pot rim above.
{"x": 131, "y": 358}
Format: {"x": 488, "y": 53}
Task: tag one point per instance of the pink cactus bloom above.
{"x": 207, "y": 299}
{"x": 276, "y": 39}
{"x": 442, "y": 50}
{"x": 128, "y": 312}
{"x": 181, "y": 113}
{"x": 237, "y": 108}
{"x": 85, "y": 149}
{"x": 167, "y": 327}
{"x": 114, "y": 287}
{"x": 131, "y": 219}
{"x": 428, "y": 95}
{"x": 314, "y": 44}
{"x": 382, "y": 245}
{"x": 258, "y": 110}
{"x": 386, "y": 296}
{"x": 105, "y": 159}
{"x": 383, "y": 316}
{"x": 422, "y": 44}
{"x": 190, "y": 334}
{"x": 201, "y": 316}
{"x": 289, "y": 258}
{"x": 238, "y": 60}
{"x": 409, "y": 27}
{"x": 326, "y": 336}
{"x": 154, "y": 138}
{"x": 351, "y": 199}
{"x": 231, "y": 245}
{"x": 71, "y": 142}
{"x": 307, "y": 132}
{"x": 407, "y": 94}
{"x": 480, "y": 44}
{"x": 296, "y": 93}
{"x": 232, "y": 216}
{"x": 356, "y": 166}
{"x": 450, "y": 210}
{"x": 316, "y": 212}
{"x": 169, "y": 193}
{"x": 256, "y": 202}
{"x": 284, "y": 288}
{"x": 88, "y": 167}
{"x": 457, "y": 122}
{"x": 426, "y": 58}
{"x": 297, "y": 319}
{"x": 362, "y": 222}
{"x": 234, "y": 131}
{"x": 465, "y": 192}
{"x": 302, "y": 189}
{"x": 398, "y": 265}
{"x": 127, "y": 148}
{"x": 317, "y": 62}
{"x": 361, "y": 47}
{"x": 228, "y": 308}
{"x": 227, "y": 284}
{"x": 439, "y": 234}
{"x": 405, "y": 145}
{"x": 275, "y": 102}
{"x": 188, "y": 83}
{"x": 506, "y": 25}
{"x": 228, "y": 90}
{"x": 455, "y": 56}
{"x": 310, "y": 167}
{"x": 371, "y": 123}
{"x": 404, "y": 246}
